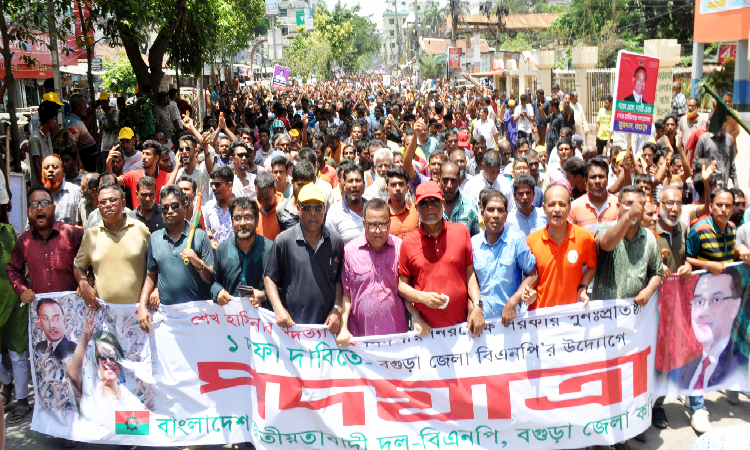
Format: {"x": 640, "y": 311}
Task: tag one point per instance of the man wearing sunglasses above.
{"x": 303, "y": 273}
{"x": 440, "y": 247}
{"x": 245, "y": 169}
{"x": 177, "y": 282}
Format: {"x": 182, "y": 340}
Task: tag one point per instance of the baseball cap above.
{"x": 463, "y": 138}
{"x": 511, "y": 103}
{"x": 278, "y": 124}
{"x": 578, "y": 139}
{"x": 126, "y": 133}
{"x": 428, "y": 189}
{"x": 310, "y": 192}
{"x": 104, "y": 96}
{"x": 294, "y": 132}
{"x": 541, "y": 149}
{"x": 620, "y": 156}
{"x": 52, "y": 97}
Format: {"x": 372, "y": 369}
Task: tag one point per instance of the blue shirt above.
{"x": 179, "y": 282}
{"x": 526, "y": 225}
{"x": 500, "y": 268}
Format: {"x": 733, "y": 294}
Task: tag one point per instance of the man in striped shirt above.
{"x": 710, "y": 243}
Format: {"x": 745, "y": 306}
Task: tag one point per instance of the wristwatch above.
{"x": 338, "y": 308}
{"x": 581, "y": 286}
{"x": 480, "y": 304}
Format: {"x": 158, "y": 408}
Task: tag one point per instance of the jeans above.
{"x": 696, "y": 402}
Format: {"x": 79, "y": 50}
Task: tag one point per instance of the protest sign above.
{"x": 454, "y": 58}
{"x": 707, "y": 315}
{"x": 635, "y": 88}
{"x": 280, "y": 79}
{"x": 562, "y": 377}
{"x": 386, "y": 80}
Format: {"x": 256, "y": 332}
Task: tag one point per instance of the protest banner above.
{"x": 454, "y": 58}
{"x": 635, "y": 88}
{"x": 280, "y": 79}
{"x": 386, "y": 80}
{"x": 704, "y": 319}
{"x": 562, "y": 377}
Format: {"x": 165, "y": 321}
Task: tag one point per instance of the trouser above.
{"x": 601, "y": 144}
{"x": 696, "y": 403}
{"x": 20, "y": 365}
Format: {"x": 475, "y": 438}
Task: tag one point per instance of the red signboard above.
{"x": 727, "y": 51}
{"x": 68, "y": 52}
{"x": 454, "y": 58}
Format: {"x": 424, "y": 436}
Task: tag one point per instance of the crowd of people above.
{"x": 371, "y": 209}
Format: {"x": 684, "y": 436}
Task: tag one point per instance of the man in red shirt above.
{"x": 150, "y": 154}
{"x": 443, "y": 248}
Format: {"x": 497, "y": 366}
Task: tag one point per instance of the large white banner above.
{"x": 567, "y": 377}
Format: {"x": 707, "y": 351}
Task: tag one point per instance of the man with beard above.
{"x": 479, "y": 147}
{"x": 150, "y": 155}
{"x": 116, "y": 248}
{"x": 440, "y": 247}
{"x": 718, "y": 147}
{"x": 245, "y": 170}
{"x": 383, "y": 159}
{"x": 303, "y": 273}
{"x": 89, "y": 186}
{"x": 689, "y": 123}
{"x": 287, "y": 212}
{"x": 500, "y": 282}
{"x": 242, "y": 260}
{"x": 188, "y": 186}
{"x": 66, "y": 195}
{"x": 526, "y": 219}
{"x": 176, "y": 281}
{"x": 457, "y": 207}
{"x": 490, "y": 176}
{"x": 186, "y": 163}
{"x": 597, "y": 206}
{"x": 403, "y": 214}
{"x": 41, "y": 262}
{"x": 346, "y": 216}
{"x": 267, "y": 199}
{"x": 669, "y": 140}
{"x": 739, "y": 207}
{"x": 148, "y": 211}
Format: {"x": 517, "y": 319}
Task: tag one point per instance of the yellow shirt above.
{"x": 604, "y": 118}
{"x": 119, "y": 260}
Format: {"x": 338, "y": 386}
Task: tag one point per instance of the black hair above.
{"x": 493, "y": 194}
{"x": 242, "y": 203}
{"x": 224, "y": 173}
{"x": 597, "y": 161}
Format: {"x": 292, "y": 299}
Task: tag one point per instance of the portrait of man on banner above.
{"x": 636, "y": 78}
{"x": 716, "y": 311}
{"x": 639, "y": 86}
{"x": 51, "y": 319}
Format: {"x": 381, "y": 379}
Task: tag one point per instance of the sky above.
{"x": 372, "y": 7}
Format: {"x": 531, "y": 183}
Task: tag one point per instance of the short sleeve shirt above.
{"x": 306, "y": 277}
{"x": 179, "y": 282}
{"x": 560, "y": 267}
{"x": 448, "y": 254}
{"x": 404, "y": 222}
{"x": 584, "y": 214}
{"x": 219, "y": 221}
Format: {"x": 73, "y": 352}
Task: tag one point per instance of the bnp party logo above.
{"x": 132, "y": 422}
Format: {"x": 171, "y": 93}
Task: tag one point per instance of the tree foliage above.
{"x": 613, "y": 25}
{"x": 118, "y": 77}
{"x": 340, "y": 34}
{"x": 432, "y": 66}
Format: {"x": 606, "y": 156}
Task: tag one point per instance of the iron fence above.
{"x": 601, "y": 83}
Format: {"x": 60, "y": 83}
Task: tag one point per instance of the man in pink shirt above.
{"x": 371, "y": 304}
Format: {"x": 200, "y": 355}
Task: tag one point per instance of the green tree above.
{"x": 118, "y": 77}
{"x": 433, "y": 17}
{"x": 432, "y": 66}
{"x": 308, "y": 56}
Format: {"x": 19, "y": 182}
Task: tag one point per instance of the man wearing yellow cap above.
{"x": 303, "y": 272}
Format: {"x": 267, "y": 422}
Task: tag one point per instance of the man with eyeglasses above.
{"x": 116, "y": 248}
{"x": 41, "y": 262}
{"x": 245, "y": 170}
{"x": 303, "y": 272}
{"x": 440, "y": 247}
{"x": 371, "y": 305}
{"x": 240, "y": 262}
{"x": 176, "y": 281}
{"x": 186, "y": 163}
{"x": 216, "y": 212}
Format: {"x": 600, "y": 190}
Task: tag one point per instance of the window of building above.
{"x": 283, "y": 12}
{"x": 284, "y": 31}
{"x": 390, "y": 21}
{"x": 393, "y": 45}
{"x": 391, "y": 33}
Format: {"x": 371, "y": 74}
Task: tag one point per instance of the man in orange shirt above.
{"x": 151, "y": 152}
{"x": 268, "y": 199}
{"x": 561, "y": 249}
{"x": 597, "y": 206}
{"x": 404, "y": 216}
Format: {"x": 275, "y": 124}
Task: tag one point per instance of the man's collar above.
{"x": 185, "y": 232}
{"x": 299, "y": 236}
{"x": 675, "y": 230}
{"x": 426, "y": 234}
{"x": 55, "y": 229}
{"x": 503, "y": 237}
{"x": 388, "y": 242}
{"x": 571, "y": 234}
{"x": 127, "y": 221}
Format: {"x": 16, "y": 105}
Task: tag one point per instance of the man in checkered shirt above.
{"x": 679, "y": 103}
{"x": 66, "y": 195}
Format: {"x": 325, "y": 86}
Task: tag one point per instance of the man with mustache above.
{"x": 186, "y": 162}
{"x": 66, "y": 195}
{"x": 346, "y": 216}
{"x": 597, "y": 206}
{"x": 150, "y": 155}
{"x": 241, "y": 261}
{"x": 718, "y": 147}
{"x": 689, "y": 123}
{"x": 176, "y": 281}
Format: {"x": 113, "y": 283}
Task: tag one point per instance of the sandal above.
{"x": 18, "y": 413}
{"x": 6, "y": 393}
{"x": 67, "y": 443}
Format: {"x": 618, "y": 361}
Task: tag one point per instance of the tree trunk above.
{"x": 89, "y": 45}
{"x": 11, "y": 89}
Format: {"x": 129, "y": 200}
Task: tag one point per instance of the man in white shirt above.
{"x": 579, "y": 115}
{"x": 346, "y": 216}
{"x": 244, "y": 177}
{"x": 523, "y": 115}
{"x": 490, "y": 176}
{"x": 174, "y": 111}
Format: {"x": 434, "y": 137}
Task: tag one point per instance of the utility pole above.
{"x": 55, "y": 56}
{"x": 398, "y": 32}
{"x": 416, "y": 27}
